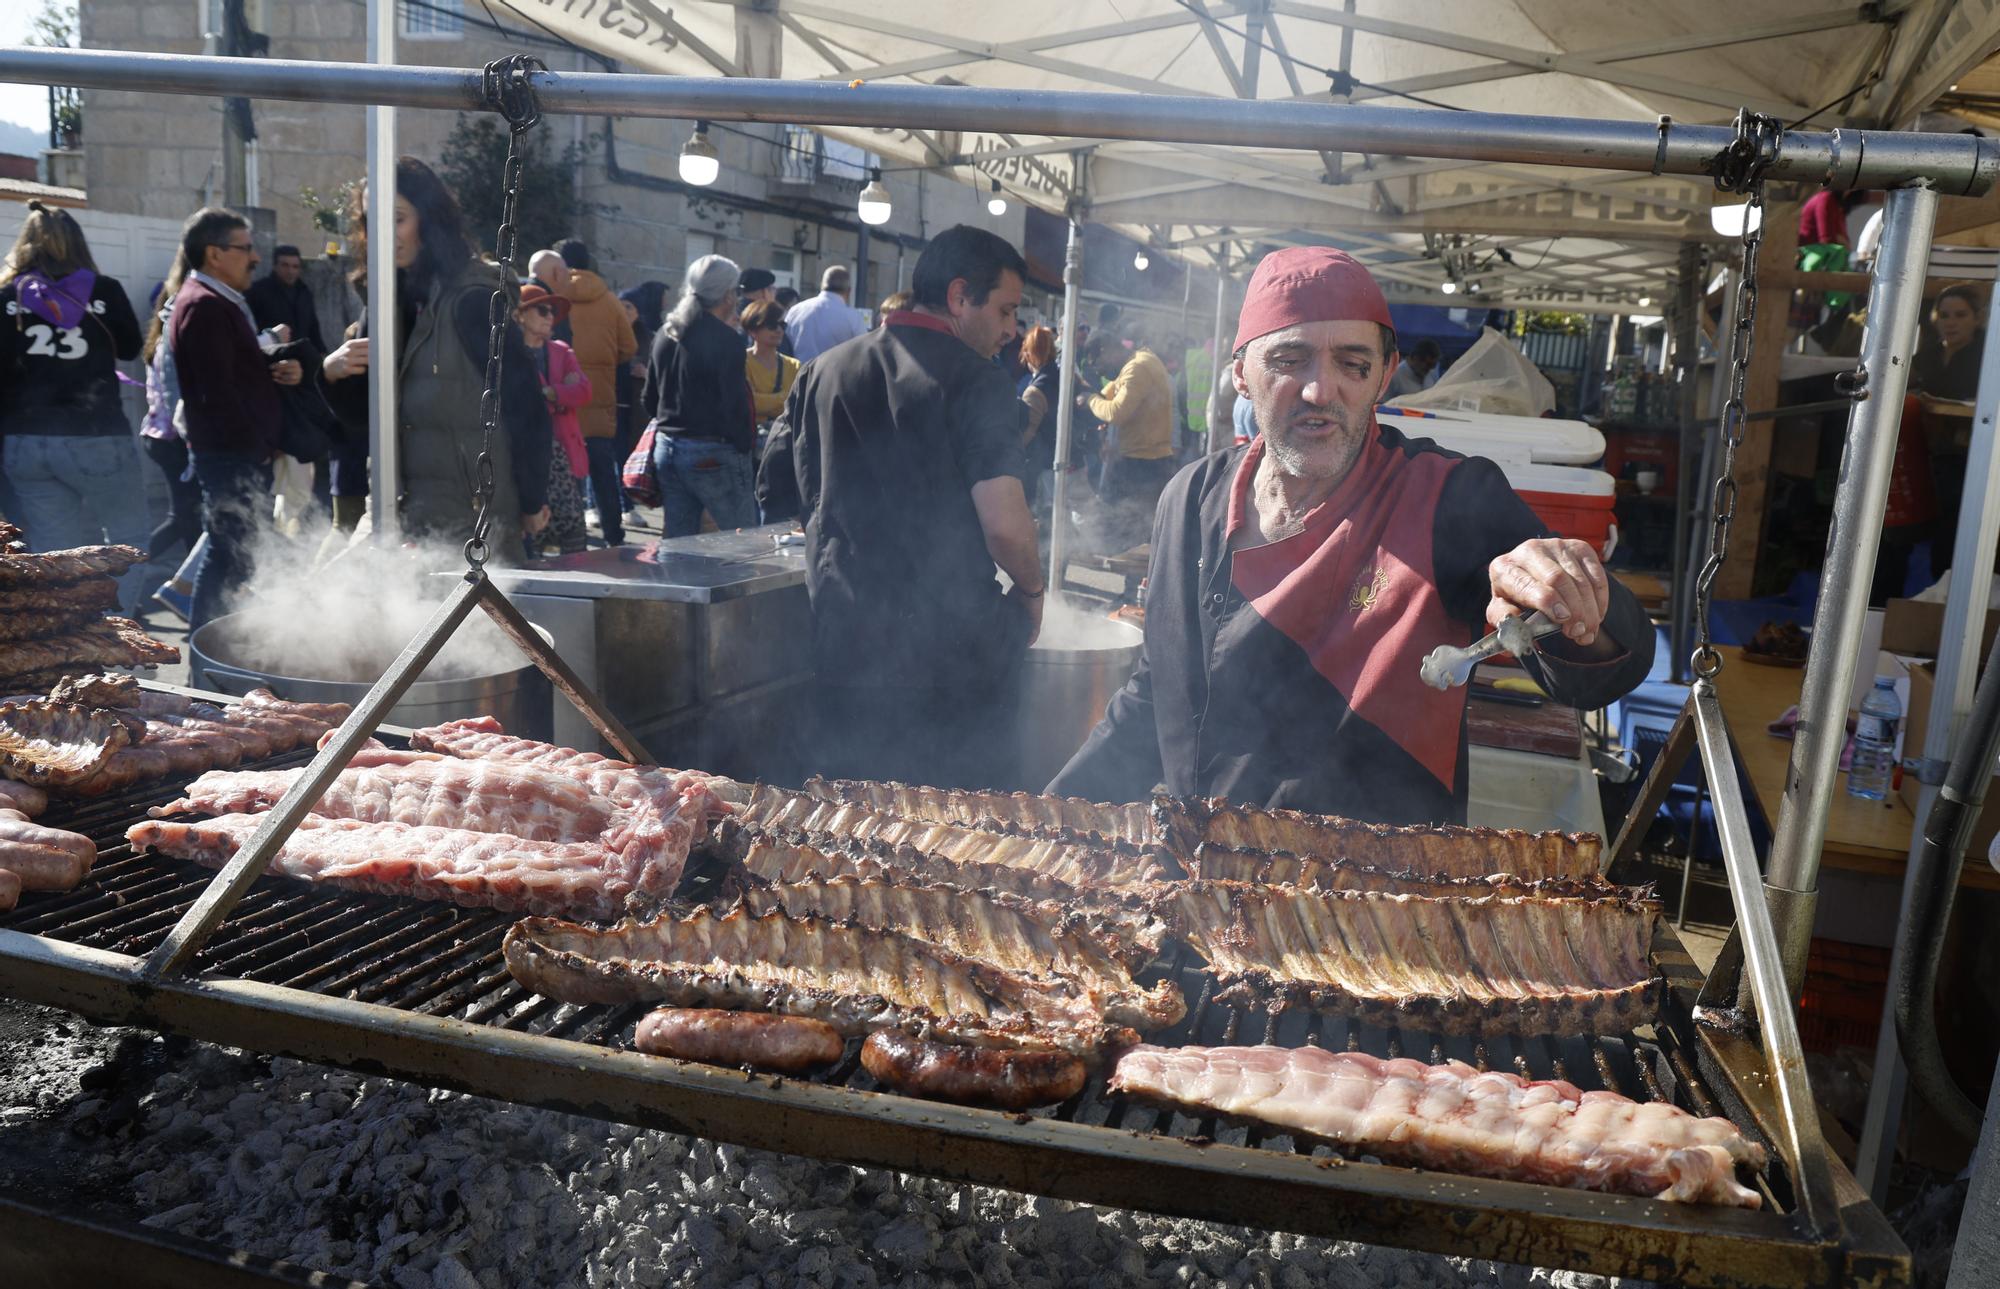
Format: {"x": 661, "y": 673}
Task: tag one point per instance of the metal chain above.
{"x": 509, "y": 92}
{"x": 1740, "y": 168}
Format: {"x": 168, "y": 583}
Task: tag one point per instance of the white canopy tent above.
{"x": 1571, "y": 238}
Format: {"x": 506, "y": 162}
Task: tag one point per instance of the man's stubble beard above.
{"x": 1337, "y": 458}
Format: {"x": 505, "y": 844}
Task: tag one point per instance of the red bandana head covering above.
{"x": 1308, "y": 284}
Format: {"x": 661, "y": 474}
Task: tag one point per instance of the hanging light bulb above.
{"x": 1728, "y": 220}
{"x": 1449, "y": 288}
{"x": 700, "y": 163}
{"x": 996, "y": 204}
{"x": 1645, "y": 302}
{"x": 1139, "y": 261}
{"x": 1474, "y": 288}
{"x": 873, "y": 206}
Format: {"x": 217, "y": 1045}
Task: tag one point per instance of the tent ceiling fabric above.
{"x": 1695, "y": 60}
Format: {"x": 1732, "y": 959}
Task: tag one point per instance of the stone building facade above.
{"x": 778, "y": 204}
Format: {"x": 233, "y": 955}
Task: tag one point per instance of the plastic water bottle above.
{"x": 1875, "y": 742}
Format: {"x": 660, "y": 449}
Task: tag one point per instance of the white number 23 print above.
{"x": 44, "y": 339}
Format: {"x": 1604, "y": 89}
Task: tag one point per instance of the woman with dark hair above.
{"x": 68, "y": 449}
{"x": 1946, "y": 364}
{"x": 645, "y": 308}
{"x": 443, "y": 293}
{"x": 161, "y": 438}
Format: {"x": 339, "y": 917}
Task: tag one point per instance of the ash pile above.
{"x": 415, "y": 1188}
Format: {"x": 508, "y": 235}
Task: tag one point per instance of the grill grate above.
{"x": 444, "y": 961}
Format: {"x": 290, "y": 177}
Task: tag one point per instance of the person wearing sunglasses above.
{"x": 771, "y": 372}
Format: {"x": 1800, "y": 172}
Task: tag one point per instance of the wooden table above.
{"x": 1871, "y": 837}
{"x": 1647, "y": 588}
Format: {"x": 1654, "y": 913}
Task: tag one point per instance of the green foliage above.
{"x": 1550, "y": 320}
{"x": 474, "y": 164}
{"x": 55, "y": 27}
{"x": 329, "y": 212}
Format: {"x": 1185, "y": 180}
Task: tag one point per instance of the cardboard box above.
{"x": 1916, "y": 720}
{"x": 1915, "y": 627}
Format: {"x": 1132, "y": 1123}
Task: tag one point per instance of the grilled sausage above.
{"x": 1005, "y": 1079}
{"x": 45, "y": 859}
{"x": 787, "y": 1044}
{"x": 10, "y": 889}
{"x": 26, "y": 798}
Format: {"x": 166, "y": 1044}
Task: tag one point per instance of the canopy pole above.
{"x": 1066, "y": 388}
{"x": 1959, "y": 164}
{"x": 1220, "y": 435}
{"x": 1895, "y": 293}
{"x": 1951, "y": 699}
{"x": 384, "y": 446}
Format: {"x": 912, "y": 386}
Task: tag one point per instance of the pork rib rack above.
{"x": 1019, "y": 935}
{"x": 1426, "y": 850}
{"x": 1015, "y": 812}
{"x": 855, "y": 978}
{"x": 1529, "y": 965}
{"x": 1455, "y": 1118}
{"x": 1077, "y": 861}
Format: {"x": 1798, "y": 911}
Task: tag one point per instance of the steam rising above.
{"x": 346, "y": 619}
{"x": 1067, "y": 624}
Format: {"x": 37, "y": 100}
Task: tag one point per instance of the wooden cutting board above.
{"x": 1550, "y": 729}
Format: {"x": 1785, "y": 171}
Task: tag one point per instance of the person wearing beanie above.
{"x": 697, "y": 392}
{"x": 1298, "y": 580}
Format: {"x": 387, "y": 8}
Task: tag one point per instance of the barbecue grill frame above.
{"x": 1411, "y": 1208}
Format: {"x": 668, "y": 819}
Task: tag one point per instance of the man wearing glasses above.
{"x": 229, "y": 398}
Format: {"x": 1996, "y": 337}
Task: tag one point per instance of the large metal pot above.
{"x": 1063, "y": 694}
{"x": 224, "y": 658}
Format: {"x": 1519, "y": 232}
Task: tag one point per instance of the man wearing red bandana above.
{"x": 1298, "y": 581}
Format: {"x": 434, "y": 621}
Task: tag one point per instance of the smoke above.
{"x": 1066, "y": 624}
{"x": 346, "y": 617}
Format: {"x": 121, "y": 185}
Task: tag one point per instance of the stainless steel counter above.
{"x": 703, "y": 569}
{"x": 701, "y": 645}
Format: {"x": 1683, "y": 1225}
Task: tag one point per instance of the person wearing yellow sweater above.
{"x": 770, "y": 373}
{"x": 1139, "y": 452}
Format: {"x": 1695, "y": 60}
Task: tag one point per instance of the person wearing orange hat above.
{"x": 1298, "y": 580}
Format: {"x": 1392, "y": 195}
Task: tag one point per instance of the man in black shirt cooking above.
{"x": 907, "y": 451}
{"x": 1298, "y": 581}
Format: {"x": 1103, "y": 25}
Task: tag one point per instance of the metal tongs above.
{"x": 1449, "y": 665}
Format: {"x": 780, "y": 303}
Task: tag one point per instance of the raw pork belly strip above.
{"x": 1514, "y": 966}
{"x": 1277, "y": 868}
{"x": 482, "y": 738}
{"x": 1018, "y": 812}
{"x": 856, "y": 979}
{"x": 476, "y": 869}
{"x": 1423, "y": 849}
{"x": 651, "y": 829}
{"x": 481, "y": 796}
{"x": 56, "y": 744}
{"x": 1080, "y": 863}
{"x": 801, "y": 857}
{"x": 1019, "y": 935}
{"x": 1455, "y": 1119}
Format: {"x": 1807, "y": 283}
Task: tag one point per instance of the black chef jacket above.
{"x": 891, "y": 431}
{"x": 1286, "y": 675}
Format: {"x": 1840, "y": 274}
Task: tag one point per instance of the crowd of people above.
{"x": 257, "y": 418}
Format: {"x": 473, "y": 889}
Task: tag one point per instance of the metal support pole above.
{"x": 1763, "y": 969}
{"x": 384, "y": 445}
{"x": 1687, "y": 358}
{"x": 1066, "y": 393}
{"x": 249, "y": 862}
{"x": 1958, "y": 164}
{"x": 1951, "y": 698}
{"x": 1895, "y": 294}
{"x": 1220, "y": 431}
